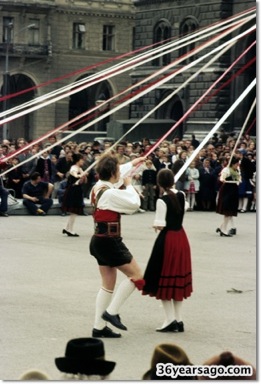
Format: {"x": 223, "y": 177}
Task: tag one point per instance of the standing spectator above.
{"x": 191, "y": 185}
{"x": 228, "y": 197}
{"x": 73, "y": 198}
{"x": 168, "y": 275}
{"x": 165, "y": 162}
{"x": 253, "y": 183}
{"x": 28, "y": 168}
{"x": 123, "y": 159}
{"x": 245, "y": 189}
{"x": 3, "y": 197}
{"x": 36, "y": 192}
{"x": 160, "y": 152}
{"x": 178, "y": 164}
{"x": 44, "y": 167}
{"x": 60, "y": 194}
{"x": 149, "y": 185}
{"x": 56, "y": 150}
{"x": 63, "y": 165}
{"x": 15, "y": 178}
{"x": 194, "y": 141}
{"x": 207, "y": 189}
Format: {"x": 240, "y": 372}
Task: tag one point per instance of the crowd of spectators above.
{"x": 200, "y": 181}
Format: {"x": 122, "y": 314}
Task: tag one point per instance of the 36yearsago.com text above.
{"x": 213, "y": 371}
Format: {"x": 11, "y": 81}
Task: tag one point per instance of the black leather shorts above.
{"x": 110, "y": 251}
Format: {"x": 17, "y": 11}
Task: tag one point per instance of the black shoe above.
{"x": 218, "y": 230}
{"x": 105, "y": 332}
{"x": 172, "y": 327}
{"x": 224, "y": 234}
{"x": 233, "y": 231}
{"x": 180, "y": 326}
{"x": 70, "y": 234}
{"x": 4, "y": 214}
{"x": 114, "y": 320}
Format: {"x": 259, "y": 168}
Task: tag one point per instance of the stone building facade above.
{"x": 63, "y": 40}
{"x": 50, "y": 39}
{"x": 158, "y": 20}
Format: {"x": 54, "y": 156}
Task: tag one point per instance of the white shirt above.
{"x": 161, "y": 211}
{"x": 118, "y": 200}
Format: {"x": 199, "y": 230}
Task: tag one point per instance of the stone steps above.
{"x": 20, "y": 209}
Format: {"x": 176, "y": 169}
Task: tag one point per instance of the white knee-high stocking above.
{"x": 224, "y": 225}
{"x": 178, "y": 310}
{"x": 103, "y": 299}
{"x": 168, "y": 311}
{"x": 124, "y": 290}
{"x": 70, "y": 223}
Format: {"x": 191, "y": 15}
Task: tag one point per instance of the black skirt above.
{"x": 73, "y": 199}
{"x": 227, "y": 204}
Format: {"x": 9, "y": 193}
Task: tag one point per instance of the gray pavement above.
{"x": 49, "y": 284}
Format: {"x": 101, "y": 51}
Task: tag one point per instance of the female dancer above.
{"x": 73, "y": 196}
{"x": 227, "y": 204}
{"x": 106, "y": 244}
{"x": 168, "y": 275}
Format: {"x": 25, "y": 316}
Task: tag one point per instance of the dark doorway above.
{"x": 87, "y": 99}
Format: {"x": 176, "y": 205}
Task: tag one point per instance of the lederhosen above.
{"x": 106, "y": 244}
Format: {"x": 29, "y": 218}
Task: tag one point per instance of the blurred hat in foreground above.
{"x": 85, "y": 356}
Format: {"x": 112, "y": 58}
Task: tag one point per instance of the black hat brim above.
{"x": 84, "y": 367}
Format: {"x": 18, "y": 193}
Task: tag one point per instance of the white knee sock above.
{"x": 103, "y": 299}
{"x": 70, "y": 223}
{"x": 178, "y": 308}
{"x": 223, "y": 227}
{"x": 169, "y": 312}
{"x": 124, "y": 290}
{"x": 231, "y": 222}
{"x": 245, "y": 203}
{"x": 192, "y": 201}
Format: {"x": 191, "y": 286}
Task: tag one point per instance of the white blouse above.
{"x": 161, "y": 211}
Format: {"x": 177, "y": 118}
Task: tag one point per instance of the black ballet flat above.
{"x": 224, "y": 234}
{"x": 70, "y": 234}
{"x": 218, "y": 230}
{"x": 180, "y": 326}
{"x": 172, "y": 327}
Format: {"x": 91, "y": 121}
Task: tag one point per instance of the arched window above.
{"x": 162, "y": 32}
{"x": 188, "y": 26}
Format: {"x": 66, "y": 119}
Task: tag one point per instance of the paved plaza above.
{"x": 49, "y": 284}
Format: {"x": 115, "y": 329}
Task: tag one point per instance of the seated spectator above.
{"x": 228, "y": 359}
{"x": 167, "y": 354}
{"x": 3, "y": 197}
{"x": 85, "y": 357}
{"x": 60, "y": 193}
{"x": 36, "y": 192}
